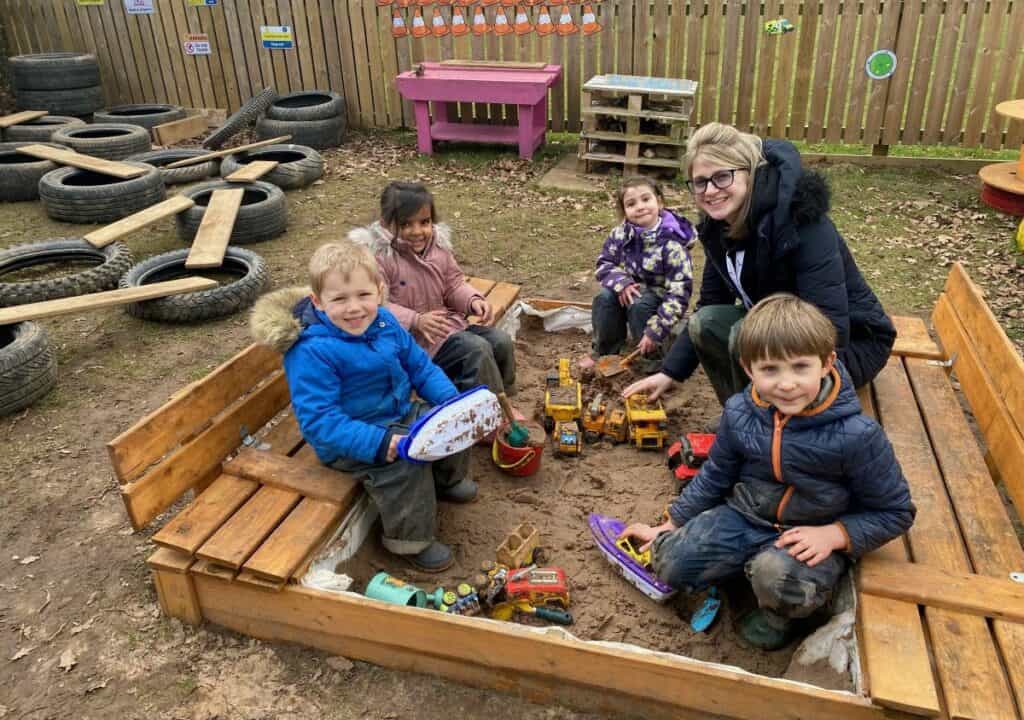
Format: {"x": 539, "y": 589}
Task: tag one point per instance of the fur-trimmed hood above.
{"x": 273, "y": 320}
{"x": 381, "y": 242}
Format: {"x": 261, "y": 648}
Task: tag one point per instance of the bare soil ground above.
{"x": 80, "y": 631}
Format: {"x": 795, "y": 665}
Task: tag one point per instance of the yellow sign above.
{"x": 201, "y": 3}
{"x": 91, "y": 2}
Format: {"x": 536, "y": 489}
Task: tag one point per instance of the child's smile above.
{"x": 418, "y": 230}
{"x": 642, "y": 206}
{"x": 792, "y": 384}
{"x": 350, "y": 302}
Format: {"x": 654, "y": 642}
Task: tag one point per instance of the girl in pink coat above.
{"x": 428, "y": 292}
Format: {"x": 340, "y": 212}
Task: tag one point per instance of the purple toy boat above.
{"x": 605, "y": 531}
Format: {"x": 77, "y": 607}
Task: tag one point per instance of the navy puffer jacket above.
{"x": 829, "y": 463}
{"x": 793, "y": 247}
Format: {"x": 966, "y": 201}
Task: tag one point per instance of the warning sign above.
{"x": 91, "y": 2}
{"x": 197, "y": 44}
{"x": 201, "y": 3}
{"x": 277, "y": 37}
{"x": 138, "y": 7}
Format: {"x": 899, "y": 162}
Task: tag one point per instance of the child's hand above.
{"x": 645, "y": 533}
{"x": 432, "y": 325}
{"x": 646, "y": 345}
{"x": 812, "y": 544}
{"x": 393, "y": 447}
{"x": 481, "y": 307}
{"x": 629, "y": 294}
{"x": 653, "y": 386}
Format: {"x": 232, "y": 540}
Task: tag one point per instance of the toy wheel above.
{"x": 591, "y": 437}
{"x": 549, "y": 424}
{"x": 538, "y": 557}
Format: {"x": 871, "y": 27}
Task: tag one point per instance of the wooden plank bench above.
{"x": 926, "y": 649}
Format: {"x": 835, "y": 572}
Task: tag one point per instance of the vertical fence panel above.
{"x": 898, "y": 91}
{"x": 964, "y": 71}
{"x": 980, "y": 109}
{"x": 747, "y": 65}
{"x": 843, "y": 65}
{"x": 168, "y": 35}
{"x": 806, "y": 62}
{"x": 729, "y": 66}
{"x": 707, "y": 103}
{"x": 132, "y": 39}
{"x": 152, "y": 50}
{"x": 826, "y": 71}
{"x": 1011, "y": 62}
{"x": 924, "y": 63}
{"x": 248, "y": 77}
{"x": 766, "y": 74}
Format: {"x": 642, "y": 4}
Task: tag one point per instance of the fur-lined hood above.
{"x": 273, "y": 320}
{"x": 380, "y": 241}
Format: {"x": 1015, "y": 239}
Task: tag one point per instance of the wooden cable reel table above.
{"x": 1003, "y": 183}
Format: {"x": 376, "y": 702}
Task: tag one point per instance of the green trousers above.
{"x": 714, "y": 330}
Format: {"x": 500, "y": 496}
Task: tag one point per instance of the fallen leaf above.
{"x": 68, "y": 660}
{"x": 75, "y": 629}
{"x": 93, "y": 687}
{"x": 21, "y": 653}
{"x": 28, "y": 560}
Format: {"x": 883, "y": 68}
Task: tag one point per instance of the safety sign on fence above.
{"x": 197, "y": 44}
{"x": 91, "y": 2}
{"x": 201, "y": 3}
{"x": 277, "y": 37}
{"x": 138, "y": 7}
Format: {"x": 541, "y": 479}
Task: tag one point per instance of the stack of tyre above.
{"x": 62, "y": 83}
{"x": 314, "y": 118}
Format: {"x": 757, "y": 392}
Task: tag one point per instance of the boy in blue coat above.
{"x": 798, "y": 483}
{"x": 351, "y": 370}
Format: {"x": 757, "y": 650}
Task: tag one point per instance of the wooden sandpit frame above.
{"x": 234, "y": 557}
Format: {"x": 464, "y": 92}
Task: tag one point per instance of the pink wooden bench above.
{"x": 441, "y": 83}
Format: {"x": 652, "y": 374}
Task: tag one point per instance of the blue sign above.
{"x": 277, "y": 37}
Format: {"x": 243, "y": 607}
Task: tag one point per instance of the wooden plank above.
{"x": 121, "y": 54}
{"x": 157, "y": 60}
{"x": 148, "y": 496}
{"x": 190, "y": 411}
{"x": 784, "y": 68}
{"x": 106, "y": 299}
{"x": 135, "y": 222}
{"x": 709, "y": 91}
{"x": 896, "y": 96}
{"x": 765, "y": 73}
{"x": 222, "y": 62}
{"x": 205, "y": 568}
{"x": 949, "y": 37}
{"x": 879, "y": 90}
{"x": 236, "y": 22}
{"x": 258, "y": 59}
{"x": 923, "y": 585}
{"x": 854, "y": 123}
{"x": 752, "y": 30}
{"x": 988, "y": 533}
{"x": 482, "y": 285}
{"x": 251, "y": 578}
{"x": 239, "y": 537}
{"x": 129, "y": 25}
{"x": 174, "y": 131}
{"x": 727, "y": 81}
{"x": 285, "y": 437}
{"x": 540, "y": 303}
{"x": 989, "y": 406}
{"x": 252, "y": 171}
{"x": 86, "y": 162}
{"x": 1003, "y": 364}
{"x": 390, "y": 635}
{"x": 303, "y": 47}
{"x": 211, "y": 84}
{"x": 214, "y": 233}
{"x": 353, "y": 10}
{"x": 913, "y": 340}
{"x": 972, "y": 676}
{"x": 967, "y": 55}
{"x": 317, "y": 47}
{"x": 19, "y": 117}
{"x": 1003, "y": 86}
{"x": 176, "y": 65}
{"x": 177, "y": 596}
{"x": 228, "y": 151}
{"x": 294, "y": 539}
{"x": 924, "y": 63}
{"x": 315, "y": 481}
{"x": 353, "y": 94}
{"x": 194, "y": 525}
{"x": 501, "y": 297}
{"x": 170, "y": 560}
{"x": 839, "y": 74}
{"x": 824, "y": 70}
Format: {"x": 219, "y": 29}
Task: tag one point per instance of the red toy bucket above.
{"x": 518, "y": 461}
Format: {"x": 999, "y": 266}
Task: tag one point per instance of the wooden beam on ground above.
{"x": 973, "y": 680}
{"x": 214, "y": 234}
{"x": 252, "y": 171}
{"x": 125, "y": 226}
{"x": 912, "y": 339}
{"x": 932, "y": 587}
{"x": 194, "y": 525}
{"x": 109, "y": 298}
{"x": 313, "y": 481}
{"x": 190, "y": 410}
{"x": 229, "y": 151}
{"x": 616, "y": 678}
{"x": 540, "y": 303}
{"x": 240, "y": 536}
{"x": 85, "y": 162}
{"x": 19, "y": 117}
{"x": 177, "y": 130}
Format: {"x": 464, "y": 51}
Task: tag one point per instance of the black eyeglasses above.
{"x": 720, "y": 179}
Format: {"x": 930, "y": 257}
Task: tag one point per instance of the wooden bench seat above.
{"x": 927, "y": 652}
{"x": 259, "y": 517}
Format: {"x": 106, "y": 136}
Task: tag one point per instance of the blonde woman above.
{"x": 765, "y": 229}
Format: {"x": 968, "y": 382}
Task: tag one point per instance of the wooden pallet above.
{"x": 940, "y": 637}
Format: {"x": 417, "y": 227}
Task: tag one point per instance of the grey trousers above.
{"x": 405, "y": 493}
{"x": 714, "y": 329}
{"x": 479, "y": 355}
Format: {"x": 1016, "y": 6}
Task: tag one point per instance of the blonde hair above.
{"x": 343, "y": 257}
{"x": 784, "y": 326}
{"x": 726, "y": 146}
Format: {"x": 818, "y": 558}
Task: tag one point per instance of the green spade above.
{"x": 517, "y": 435}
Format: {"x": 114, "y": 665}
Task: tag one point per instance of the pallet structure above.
{"x": 939, "y": 617}
{"x": 636, "y": 121}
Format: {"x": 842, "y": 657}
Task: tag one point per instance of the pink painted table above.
{"x": 526, "y": 88}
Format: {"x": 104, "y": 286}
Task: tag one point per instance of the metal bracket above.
{"x": 251, "y": 442}
{"x": 1017, "y": 577}
{"x": 944, "y": 363}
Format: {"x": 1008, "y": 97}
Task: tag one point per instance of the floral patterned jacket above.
{"x": 665, "y": 268}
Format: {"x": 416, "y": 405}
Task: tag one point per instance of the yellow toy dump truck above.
{"x": 599, "y": 420}
{"x": 563, "y": 406}
{"x": 648, "y": 422}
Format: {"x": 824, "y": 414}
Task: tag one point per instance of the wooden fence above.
{"x": 956, "y": 59}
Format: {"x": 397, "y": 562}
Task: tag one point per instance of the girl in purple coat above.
{"x": 645, "y": 272}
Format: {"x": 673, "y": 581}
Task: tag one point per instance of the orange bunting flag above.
{"x": 590, "y": 24}
{"x": 480, "y": 26}
{"x": 437, "y": 24}
{"x": 501, "y": 26}
{"x": 544, "y": 25}
{"x": 459, "y": 26}
{"x": 398, "y": 28}
{"x": 522, "y": 25}
{"x": 565, "y": 24}
{"x": 419, "y": 28}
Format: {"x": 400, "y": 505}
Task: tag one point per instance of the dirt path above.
{"x": 74, "y": 591}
